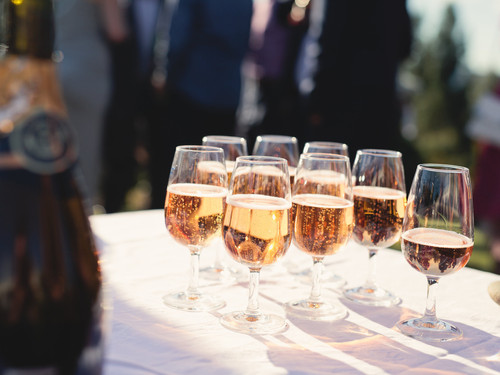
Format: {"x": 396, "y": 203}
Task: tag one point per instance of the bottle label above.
{"x": 44, "y": 143}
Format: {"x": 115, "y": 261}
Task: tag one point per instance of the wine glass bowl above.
{"x": 257, "y": 232}
{"x": 282, "y": 146}
{"x": 379, "y": 203}
{"x": 437, "y": 239}
{"x": 233, "y": 147}
{"x": 194, "y": 206}
{"x": 323, "y": 220}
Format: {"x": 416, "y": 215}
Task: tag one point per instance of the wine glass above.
{"x": 379, "y": 203}
{"x": 282, "y": 146}
{"x": 437, "y": 240}
{"x": 257, "y": 232}
{"x": 323, "y": 218}
{"x": 233, "y": 147}
{"x": 194, "y": 206}
{"x": 326, "y": 148}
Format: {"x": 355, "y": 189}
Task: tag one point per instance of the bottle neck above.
{"x": 30, "y": 28}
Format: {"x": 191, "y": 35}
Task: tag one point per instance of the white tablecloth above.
{"x": 141, "y": 263}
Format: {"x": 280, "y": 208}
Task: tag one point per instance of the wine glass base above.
{"x": 430, "y": 330}
{"x": 262, "y": 324}
{"x": 328, "y": 278}
{"x": 372, "y": 296}
{"x": 193, "y": 302}
{"x": 320, "y": 311}
{"x": 224, "y": 274}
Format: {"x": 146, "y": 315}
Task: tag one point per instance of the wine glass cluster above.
{"x": 260, "y": 204}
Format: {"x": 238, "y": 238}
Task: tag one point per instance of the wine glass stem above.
{"x": 316, "y": 279}
{"x": 192, "y": 290}
{"x": 372, "y": 267}
{"x": 218, "y": 265}
{"x": 253, "y": 293}
{"x": 430, "y": 307}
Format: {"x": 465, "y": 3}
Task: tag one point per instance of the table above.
{"x": 141, "y": 263}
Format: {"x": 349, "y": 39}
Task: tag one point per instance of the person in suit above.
{"x": 346, "y": 72}
{"x": 208, "y": 43}
{"x": 134, "y": 140}
{"x": 274, "y": 54}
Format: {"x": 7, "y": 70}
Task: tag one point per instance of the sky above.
{"x": 480, "y": 24}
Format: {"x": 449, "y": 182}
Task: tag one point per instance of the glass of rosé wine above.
{"x": 282, "y": 146}
{"x": 323, "y": 220}
{"x": 379, "y": 203}
{"x": 437, "y": 239}
{"x": 194, "y": 206}
{"x": 257, "y": 232}
{"x": 233, "y": 147}
{"x": 305, "y": 274}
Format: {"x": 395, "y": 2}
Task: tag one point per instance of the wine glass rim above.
{"x": 224, "y": 138}
{"x": 199, "y": 148}
{"x": 262, "y": 159}
{"x": 378, "y": 151}
{"x": 277, "y": 138}
{"x": 327, "y": 144}
{"x": 323, "y": 156}
{"x": 439, "y": 167}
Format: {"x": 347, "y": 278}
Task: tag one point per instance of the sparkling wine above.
{"x": 193, "y": 212}
{"x": 323, "y": 223}
{"x": 256, "y": 229}
{"x": 51, "y": 316}
{"x": 378, "y": 215}
{"x": 436, "y": 252}
{"x": 321, "y": 182}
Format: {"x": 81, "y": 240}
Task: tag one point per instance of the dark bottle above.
{"x": 51, "y": 316}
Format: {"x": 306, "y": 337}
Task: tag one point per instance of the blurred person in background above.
{"x": 484, "y": 129}
{"x": 134, "y": 141}
{"x": 84, "y": 74}
{"x": 208, "y": 42}
{"x": 273, "y": 51}
{"x": 346, "y": 72}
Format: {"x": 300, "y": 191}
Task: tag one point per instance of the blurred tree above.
{"x": 442, "y": 105}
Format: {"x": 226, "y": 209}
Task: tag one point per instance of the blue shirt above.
{"x": 208, "y": 42}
